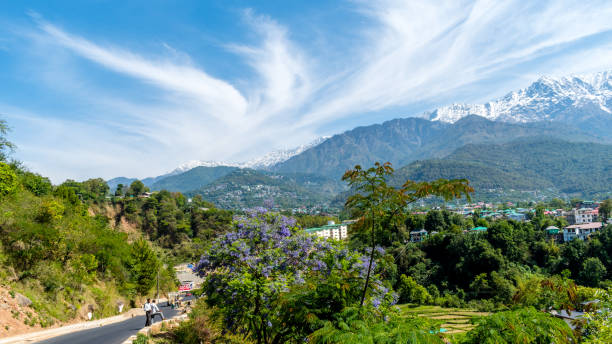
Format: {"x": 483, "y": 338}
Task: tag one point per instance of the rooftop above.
{"x": 590, "y": 225}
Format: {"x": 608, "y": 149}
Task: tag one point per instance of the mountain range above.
{"x": 578, "y": 100}
{"x": 560, "y": 111}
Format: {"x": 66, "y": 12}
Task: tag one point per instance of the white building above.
{"x": 580, "y": 231}
{"x": 582, "y": 215}
{"x": 333, "y": 231}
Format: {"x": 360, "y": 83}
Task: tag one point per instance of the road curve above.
{"x": 109, "y": 334}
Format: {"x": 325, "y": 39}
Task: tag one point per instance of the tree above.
{"x": 143, "y": 265}
{"x": 379, "y": 204}
{"x": 136, "y": 188}
{"x": 593, "y": 272}
{"x": 605, "y": 209}
{"x": 8, "y": 178}
{"x": 557, "y": 203}
{"x": 35, "y": 183}
{"x": 119, "y": 190}
{"x": 434, "y": 221}
{"x": 6, "y": 147}
{"x": 410, "y": 291}
{"x": 275, "y": 284}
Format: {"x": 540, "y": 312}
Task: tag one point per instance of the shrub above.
{"x": 410, "y": 291}
{"x": 353, "y": 326}
{"x": 526, "y": 325}
{"x": 8, "y": 179}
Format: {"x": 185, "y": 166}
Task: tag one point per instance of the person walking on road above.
{"x": 148, "y": 310}
{"x": 155, "y": 311}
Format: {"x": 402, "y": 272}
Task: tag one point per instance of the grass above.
{"x": 454, "y": 320}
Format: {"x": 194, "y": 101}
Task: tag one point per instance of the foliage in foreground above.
{"x": 598, "y": 329}
{"x": 275, "y": 284}
{"x": 526, "y": 325}
{"x": 351, "y": 326}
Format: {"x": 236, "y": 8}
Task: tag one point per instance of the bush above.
{"x": 8, "y": 180}
{"x": 526, "y": 325}
{"x": 353, "y": 326}
{"x": 412, "y": 292}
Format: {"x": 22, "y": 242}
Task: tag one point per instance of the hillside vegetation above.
{"x": 192, "y": 179}
{"x": 65, "y": 260}
{"x": 401, "y": 141}
{"x": 577, "y": 169}
{"x": 246, "y": 188}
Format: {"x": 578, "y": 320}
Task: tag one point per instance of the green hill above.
{"x": 192, "y": 179}
{"x": 63, "y": 258}
{"x": 245, "y": 188}
{"x": 401, "y": 141}
{"x": 576, "y": 169}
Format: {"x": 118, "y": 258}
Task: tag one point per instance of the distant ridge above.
{"x": 565, "y": 168}
{"x": 404, "y": 140}
{"x": 263, "y": 162}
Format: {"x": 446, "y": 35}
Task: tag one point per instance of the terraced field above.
{"x": 454, "y": 320}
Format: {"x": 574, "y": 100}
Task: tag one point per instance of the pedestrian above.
{"x": 155, "y": 311}
{"x": 147, "y": 308}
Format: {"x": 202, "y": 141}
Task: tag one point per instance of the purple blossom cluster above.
{"x": 249, "y": 268}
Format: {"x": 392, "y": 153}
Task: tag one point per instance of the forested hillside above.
{"x": 63, "y": 258}
{"x": 192, "y": 179}
{"x": 402, "y": 141}
{"x": 576, "y": 169}
{"x": 246, "y": 188}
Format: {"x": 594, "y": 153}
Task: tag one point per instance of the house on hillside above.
{"x": 330, "y": 231}
{"x": 580, "y": 231}
{"x": 418, "y": 236}
{"x": 516, "y": 216}
{"x": 478, "y": 230}
{"x": 554, "y": 233}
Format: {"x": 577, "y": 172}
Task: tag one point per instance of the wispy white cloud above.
{"x": 284, "y": 79}
{"x": 225, "y": 101}
{"x": 419, "y": 50}
{"x": 409, "y": 52}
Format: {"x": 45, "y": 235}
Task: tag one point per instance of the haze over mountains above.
{"x": 556, "y": 111}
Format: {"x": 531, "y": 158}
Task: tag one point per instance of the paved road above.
{"x": 110, "y": 334}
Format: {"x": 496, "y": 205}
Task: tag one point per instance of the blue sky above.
{"x": 111, "y": 88}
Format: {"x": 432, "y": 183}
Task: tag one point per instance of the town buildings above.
{"x": 330, "y": 231}
{"x": 580, "y": 231}
{"x": 582, "y": 215}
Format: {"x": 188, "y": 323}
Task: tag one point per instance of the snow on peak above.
{"x": 548, "y": 98}
{"x": 281, "y": 155}
{"x": 268, "y": 160}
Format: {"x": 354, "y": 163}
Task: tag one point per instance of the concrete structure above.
{"x": 418, "y": 236}
{"x": 478, "y": 229}
{"x": 582, "y": 215}
{"x": 580, "y": 231}
{"x": 330, "y": 231}
{"x": 516, "y": 216}
{"x": 554, "y": 233}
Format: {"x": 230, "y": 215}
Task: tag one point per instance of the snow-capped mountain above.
{"x": 565, "y": 99}
{"x": 281, "y": 155}
{"x": 263, "y": 162}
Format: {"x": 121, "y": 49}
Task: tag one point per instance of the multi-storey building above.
{"x": 580, "y": 231}
{"x": 330, "y": 231}
{"x": 582, "y": 215}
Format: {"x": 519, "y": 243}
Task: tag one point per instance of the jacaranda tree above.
{"x": 273, "y": 283}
